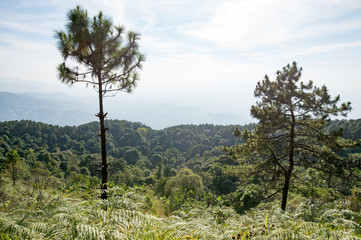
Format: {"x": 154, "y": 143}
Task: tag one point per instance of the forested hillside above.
{"x": 179, "y": 171}
{"x": 67, "y": 149}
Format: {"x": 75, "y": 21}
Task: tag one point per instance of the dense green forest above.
{"x": 137, "y": 153}
{"x": 175, "y": 183}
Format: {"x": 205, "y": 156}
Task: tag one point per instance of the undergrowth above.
{"x": 132, "y": 213}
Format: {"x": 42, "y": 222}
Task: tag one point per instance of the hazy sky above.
{"x": 205, "y": 53}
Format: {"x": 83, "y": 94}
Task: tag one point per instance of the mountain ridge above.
{"x": 62, "y": 109}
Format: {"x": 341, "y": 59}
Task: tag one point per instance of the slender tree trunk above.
{"x": 14, "y": 173}
{"x": 285, "y": 191}
{"x": 104, "y": 163}
{"x": 288, "y": 173}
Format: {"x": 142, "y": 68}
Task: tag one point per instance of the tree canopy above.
{"x": 291, "y": 129}
{"x": 186, "y": 184}
{"x": 103, "y": 57}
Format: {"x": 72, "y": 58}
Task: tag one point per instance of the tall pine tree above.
{"x": 96, "y": 53}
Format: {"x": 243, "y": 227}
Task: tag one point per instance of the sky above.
{"x": 208, "y": 54}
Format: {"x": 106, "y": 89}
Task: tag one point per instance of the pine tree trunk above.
{"x": 104, "y": 163}
{"x": 285, "y": 191}
{"x": 288, "y": 173}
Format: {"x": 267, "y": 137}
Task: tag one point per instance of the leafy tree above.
{"x": 221, "y": 182}
{"x": 96, "y": 53}
{"x": 290, "y": 132}
{"x": 159, "y": 171}
{"x": 12, "y": 158}
{"x": 156, "y": 159}
{"x": 249, "y": 198}
{"x": 131, "y": 156}
{"x": 186, "y": 184}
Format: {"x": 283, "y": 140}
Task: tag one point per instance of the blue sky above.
{"x": 208, "y": 54}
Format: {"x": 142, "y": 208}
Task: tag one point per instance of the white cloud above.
{"x": 24, "y": 27}
{"x": 325, "y": 48}
{"x": 295, "y": 52}
{"x": 161, "y": 45}
{"x": 251, "y": 23}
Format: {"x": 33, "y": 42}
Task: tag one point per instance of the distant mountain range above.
{"x": 62, "y": 109}
{"x": 43, "y": 108}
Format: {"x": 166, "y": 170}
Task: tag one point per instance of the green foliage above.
{"x": 12, "y": 159}
{"x": 250, "y": 197}
{"x": 71, "y": 140}
{"x": 222, "y": 182}
{"x": 96, "y": 44}
{"x": 66, "y": 215}
{"x": 131, "y": 156}
{"x": 292, "y": 118}
{"x": 186, "y": 185}
{"x": 56, "y": 192}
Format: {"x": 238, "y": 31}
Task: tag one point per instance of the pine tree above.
{"x": 96, "y": 53}
{"x": 12, "y": 158}
{"x": 290, "y": 132}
